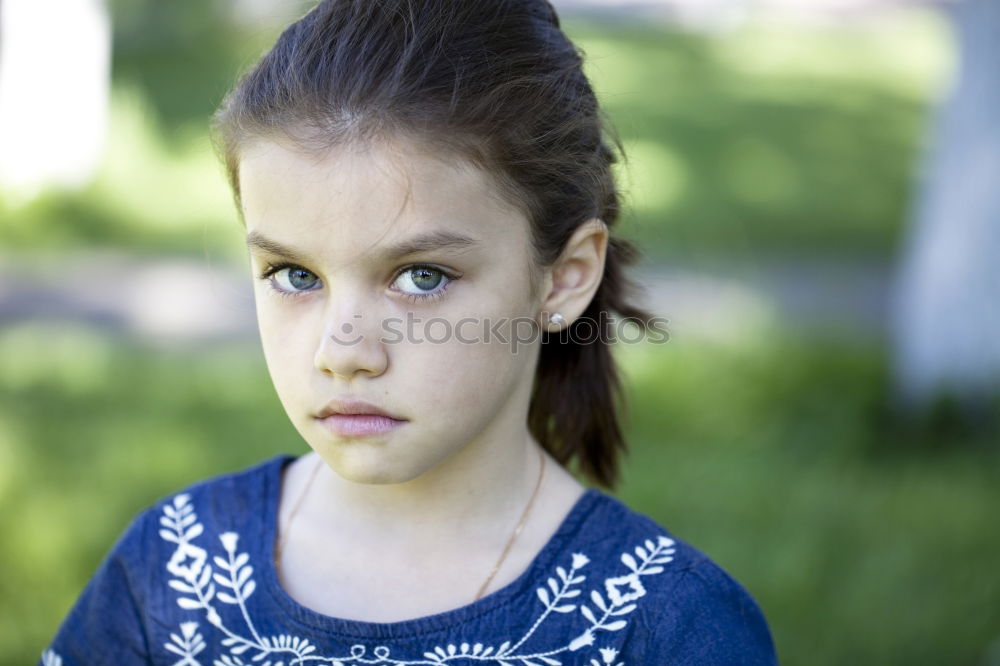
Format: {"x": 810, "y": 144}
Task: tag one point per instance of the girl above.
{"x": 427, "y": 195}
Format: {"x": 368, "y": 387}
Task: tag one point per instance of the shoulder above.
{"x": 232, "y": 495}
{"x": 125, "y": 609}
{"x": 170, "y": 526}
{"x": 686, "y": 608}
{"x": 710, "y": 618}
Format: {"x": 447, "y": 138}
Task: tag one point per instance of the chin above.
{"x": 373, "y": 471}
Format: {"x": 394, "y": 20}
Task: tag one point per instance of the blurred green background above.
{"x": 864, "y": 539}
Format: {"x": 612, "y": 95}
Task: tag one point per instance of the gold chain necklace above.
{"x": 496, "y": 567}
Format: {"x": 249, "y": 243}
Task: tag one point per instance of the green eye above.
{"x": 419, "y": 283}
{"x": 289, "y": 279}
{"x": 416, "y": 283}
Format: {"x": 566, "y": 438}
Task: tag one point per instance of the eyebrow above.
{"x": 431, "y": 240}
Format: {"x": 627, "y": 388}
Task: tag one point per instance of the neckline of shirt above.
{"x": 337, "y": 626}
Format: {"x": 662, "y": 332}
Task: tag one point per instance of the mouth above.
{"x": 351, "y": 417}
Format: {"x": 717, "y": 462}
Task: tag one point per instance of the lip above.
{"x": 353, "y": 406}
{"x": 359, "y": 425}
{"x": 357, "y": 418}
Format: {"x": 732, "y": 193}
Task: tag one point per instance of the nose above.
{"x": 349, "y": 345}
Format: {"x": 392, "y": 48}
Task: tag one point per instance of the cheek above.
{"x": 474, "y": 359}
{"x": 285, "y": 336}
{"x": 274, "y": 332}
{"x": 445, "y": 374}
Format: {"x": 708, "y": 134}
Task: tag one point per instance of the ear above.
{"x": 570, "y": 283}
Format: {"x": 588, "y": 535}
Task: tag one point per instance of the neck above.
{"x": 481, "y": 490}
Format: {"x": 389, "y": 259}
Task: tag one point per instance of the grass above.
{"x": 865, "y": 540}
{"x": 775, "y": 457}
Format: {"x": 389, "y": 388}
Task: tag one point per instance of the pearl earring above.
{"x": 557, "y": 319}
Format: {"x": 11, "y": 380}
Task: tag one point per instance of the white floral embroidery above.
{"x": 51, "y": 658}
{"x": 187, "y": 645}
{"x": 232, "y": 584}
{"x": 607, "y": 657}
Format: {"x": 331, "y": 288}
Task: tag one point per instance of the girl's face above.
{"x": 344, "y": 313}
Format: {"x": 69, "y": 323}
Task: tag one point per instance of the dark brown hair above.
{"x": 493, "y": 82}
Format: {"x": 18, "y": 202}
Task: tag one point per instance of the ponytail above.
{"x": 577, "y": 400}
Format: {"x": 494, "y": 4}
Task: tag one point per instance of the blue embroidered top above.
{"x": 191, "y": 581}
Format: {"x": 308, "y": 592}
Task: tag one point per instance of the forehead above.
{"x": 362, "y": 198}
